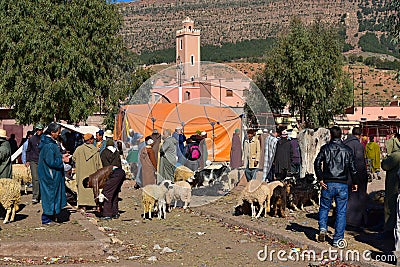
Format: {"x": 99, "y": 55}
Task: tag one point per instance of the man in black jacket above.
{"x": 32, "y": 159}
{"x": 333, "y": 165}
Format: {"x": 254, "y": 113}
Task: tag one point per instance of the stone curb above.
{"x": 277, "y": 234}
{"x": 62, "y": 248}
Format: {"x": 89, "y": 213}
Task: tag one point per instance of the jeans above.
{"x": 250, "y": 173}
{"x": 397, "y": 227}
{"x": 339, "y": 192}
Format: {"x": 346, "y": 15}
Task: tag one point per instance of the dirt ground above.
{"x": 198, "y": 237}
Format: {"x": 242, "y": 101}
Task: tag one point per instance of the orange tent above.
{"x": 144, "y": 118}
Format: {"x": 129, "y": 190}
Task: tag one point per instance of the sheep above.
{"x": 155, "y": 193}
{"x": 183, "y": 173}
{"x": 256, "y": 191}
{"x": 22, "y": 174}
{"x": 179, "y": 191}
{"x": 10, "y": 197}
{"x": 127, "y": 168}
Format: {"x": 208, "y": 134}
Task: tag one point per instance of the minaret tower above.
{"x": 188, "y": 51}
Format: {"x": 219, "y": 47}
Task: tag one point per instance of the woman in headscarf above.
{"x": 148, "y": 160}
{"x": 51, "y": 173}
{"x": 236, "y": 151}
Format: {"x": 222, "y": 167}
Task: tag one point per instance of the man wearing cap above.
{"x": 98, "y": 142}
{"x": 283, "y": 156}
{"x": 32, "y": 159}
{"x": 251, "y": 155}
{"x": 87, "y": 160}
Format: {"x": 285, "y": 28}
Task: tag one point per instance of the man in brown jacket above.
{"x": 251, "y": 155}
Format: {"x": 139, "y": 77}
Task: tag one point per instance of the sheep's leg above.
{"x": 164, "y": 206}
{"x": 150, "y": 209}
{"x": 185, "y": 205}
{"x": 13, "y": 210}
{"x": 313, "y": 202}
{"x": 175, "y": 203}
{"x": 159, "y": 210}
{"x": 268, "y": 207}
{"x": 253, "y": 210}
{"x": 265, "y": 209}
{"x": 7, "y": 215}
{"x": 302, "y": 207}
{"x": 295, "y": 207}
{"x": 25, "y": 189}
{"x": 261, "y": 209}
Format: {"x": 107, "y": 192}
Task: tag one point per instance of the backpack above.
{"x": 194, "y": 152}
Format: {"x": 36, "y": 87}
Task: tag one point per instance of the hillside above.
{"x": 150, "y": 25}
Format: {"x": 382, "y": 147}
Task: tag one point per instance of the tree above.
{"x": 62, "y": 60}
{"x": 304, "y": 68}
{"x": 394, "y": 20}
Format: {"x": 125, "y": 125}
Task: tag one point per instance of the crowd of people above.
{"x": 343, "y": 167}
{"x": 274, "y": 153}
{"x": 154, "y": 158}
{"x": 52, "y": 154}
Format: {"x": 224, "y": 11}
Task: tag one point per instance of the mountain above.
{"x": 150, "y": 25}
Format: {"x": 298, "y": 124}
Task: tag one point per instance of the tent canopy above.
{"x": 146, "y": 117}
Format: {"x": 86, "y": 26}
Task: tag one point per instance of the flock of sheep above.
{"x": 272, "y": 197}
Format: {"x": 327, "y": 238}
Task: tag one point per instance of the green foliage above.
{"x": 305, "y": 70}
{"x": 382, "y": 64}
{"x": 140, "y": 76}
{"x": 394, "y": 19}
{"x": 252, "y": 49}
{"x": 370, "y": 43}
{"x": 60, "y": 59}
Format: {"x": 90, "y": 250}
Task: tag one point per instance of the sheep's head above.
{"x": 190, "y": 179}
{"x": 166, "y": 184}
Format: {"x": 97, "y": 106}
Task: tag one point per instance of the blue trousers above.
{"x": 339, "y": 192}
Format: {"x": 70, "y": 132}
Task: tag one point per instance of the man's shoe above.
{"x": 116, "y": 216}
{"x": 105, "y": 218}
{"x": 51, "y": 224}
{"x": 35, "y": 201}
{"x": 321, "y": 236}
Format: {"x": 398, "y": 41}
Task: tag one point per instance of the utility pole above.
{"x": 362, "y": 93}
{"x": 220, "y": 89}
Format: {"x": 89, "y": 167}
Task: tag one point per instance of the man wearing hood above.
{"x": 356, "y": 206}
{"x": 87, "y": 160}
{"x": 5, "y": 155}
{"x": 110, "y": 156}
{"x": 373, "y": 155}
{"x": 168, "y": 157}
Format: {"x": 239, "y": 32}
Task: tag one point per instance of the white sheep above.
{"x": 181, "y": 190}
{"x": 183, "y": 173}
{"x": 153, "y": 194}
{"x": 22, "y": 174}
{"x": 256, "y": 191}
{"x": 10, "y": 197}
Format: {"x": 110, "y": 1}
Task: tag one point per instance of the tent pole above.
{"x": 213, "y": 138}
